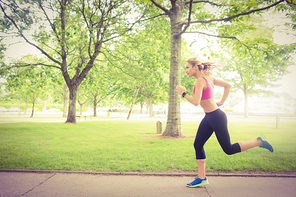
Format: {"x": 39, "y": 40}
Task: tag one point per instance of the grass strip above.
{"x": 119, "y": 145}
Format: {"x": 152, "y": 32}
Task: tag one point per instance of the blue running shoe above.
{"x": 265, "y": 144}
{"x": 198, "y": 182}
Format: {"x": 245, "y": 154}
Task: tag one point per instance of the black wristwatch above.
{"x": 184, "y": 93}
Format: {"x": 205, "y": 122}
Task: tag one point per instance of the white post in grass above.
{"x": 277, "y": 121}
{"x": 159, "y": 127}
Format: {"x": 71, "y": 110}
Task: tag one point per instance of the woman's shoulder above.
{"x": 207, "y": 78}
{"x": 200, "y": 81}
{"x": 221, "y": 83}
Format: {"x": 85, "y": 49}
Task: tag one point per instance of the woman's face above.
{"x": 190, "y": 70}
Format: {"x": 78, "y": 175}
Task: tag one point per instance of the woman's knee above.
{"x": 198, "y": 145}
{"x": 228, "y": 152}
{"x": 234, "y": 148}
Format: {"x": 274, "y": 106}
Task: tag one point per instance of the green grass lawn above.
{"x": 119, "y": 145}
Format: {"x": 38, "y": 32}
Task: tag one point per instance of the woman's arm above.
{"x": 226, "y": 87}
{"x": 198, "y": 92}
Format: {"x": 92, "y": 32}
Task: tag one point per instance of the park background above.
{"x": 34, "y": 135}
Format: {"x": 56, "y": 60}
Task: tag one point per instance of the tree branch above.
{"x": 227, "y": 37}
{"x": 80, "y": 62}
{"x": 89, "y": 26}
{"x": 237, "y": 15}
{"x": 26, "y": 65}
{"x": 217, "y": 36}
{"x": 11, "y": 6}
{"x": 128, "y": 74}
{"x": 52, "y": 26}
{"x": 63, "y": 28}
{"x": 50, "y": 47}
{"x": 209, "y": 2}
{"x": 23, "y": 36}
{"x": 128, "y": 29}
{"x": 160, "y": 7}
{"x": 147, "y": 19}
{"x": 189, "y": 18}
{"x": 292, "y": 3}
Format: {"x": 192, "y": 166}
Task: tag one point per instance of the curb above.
{"x": 222, "y": 174}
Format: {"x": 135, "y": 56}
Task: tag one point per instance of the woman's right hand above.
{"x": 180, "y": 90}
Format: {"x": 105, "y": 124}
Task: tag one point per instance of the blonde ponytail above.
{"x": 204, "y": 67}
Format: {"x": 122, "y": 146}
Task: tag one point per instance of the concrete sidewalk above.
{"x": 82, "y": 184}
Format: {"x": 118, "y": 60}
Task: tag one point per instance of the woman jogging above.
{"x": 215, "y": 119}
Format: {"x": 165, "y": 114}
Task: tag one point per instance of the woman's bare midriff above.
{"x": 208, "y": 105}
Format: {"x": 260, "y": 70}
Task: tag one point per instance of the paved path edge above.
{"x": 229, "y": 174}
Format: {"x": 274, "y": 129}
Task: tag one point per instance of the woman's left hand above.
{"x": 180, "y": 90}
{"x": 219, "y": 103}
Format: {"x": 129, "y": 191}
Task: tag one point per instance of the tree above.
{"x": 142, "y": 63}
{"x": 82, "y": 98}
{"x": 135, "y": 92}
{"x": 2, "y": 50}
{"x": 187, "y": 16}
{"x": 59, "y": 90}
{"x": 28, "y": 83}
{"x": 257, "y": 66}
{"x": 2, "y": 64}
{"x": 71, "y": 33}
{"x": 100, "y": 84}
{"x": 290, "y": 11}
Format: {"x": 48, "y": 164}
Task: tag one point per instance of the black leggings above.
{"x": 214, "y": 121}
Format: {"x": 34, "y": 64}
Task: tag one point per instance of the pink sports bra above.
{"x": 207, "y": 93}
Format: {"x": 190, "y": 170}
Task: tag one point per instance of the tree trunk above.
{"x": 18, "y": 106}
{"x": 173, "y": 127}
{"x": 44, "y": 106}
{"x": 65, "y": 95}
{"x": 135, "y": 96}
{"x": 81, "y": 105}
{"x": 246, "y": 111}
{"x": 150, "y": 104}
{"x": 142, "y": 107}
{"x": 80, "y": 108}
{"x": 33, "y": 106}
{"x": 26, "y": 108}
{"x": 147, "y": 107}
{"x": 95, "y": 105}
{"x": 71, "y": 118}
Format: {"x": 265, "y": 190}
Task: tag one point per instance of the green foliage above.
{"x": 290, "y": 11}
{"x": 254, "y": 61}
{"x": 21, "y": 106}
{"x": 71, "y": 34}
{"x": 2, "y": 58}
{"x": 87, "y": 41}
{"x": 12, "y": 10}
{"x": 100, "y": 85}
{"x": 145, "y": 1}
{"x": 144, "y": 58}
{"x": 27, "y": 81}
